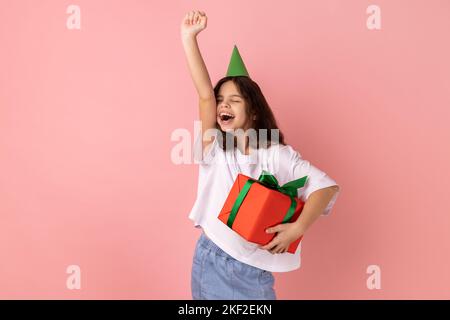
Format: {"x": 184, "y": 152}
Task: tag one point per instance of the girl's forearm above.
{"x": 197, "y": 68}
{"x": 314, "y": 207}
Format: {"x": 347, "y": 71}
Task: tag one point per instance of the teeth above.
{"x": 226, "y": 114}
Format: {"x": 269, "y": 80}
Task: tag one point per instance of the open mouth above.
{"x": 226, "y": 118}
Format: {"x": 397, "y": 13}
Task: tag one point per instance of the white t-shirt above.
{"x": 217, "y": 172}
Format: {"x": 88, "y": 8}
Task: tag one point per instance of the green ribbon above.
{"x": 268, "y": 180}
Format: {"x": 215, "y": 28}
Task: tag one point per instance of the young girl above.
{"x": 225, "y": 265}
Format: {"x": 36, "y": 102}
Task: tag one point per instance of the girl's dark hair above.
{"x": 256, "y": 104}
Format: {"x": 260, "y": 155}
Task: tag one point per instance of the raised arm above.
{"x": 193, "y": 23}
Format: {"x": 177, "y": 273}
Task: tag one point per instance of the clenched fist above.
{"x": 193, "y": 23}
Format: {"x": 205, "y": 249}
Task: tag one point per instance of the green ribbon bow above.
{"x": 268, "y": 180}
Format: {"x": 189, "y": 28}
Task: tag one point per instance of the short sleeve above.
{"x": 294, "y": 167}
{"x": 204, "y": 157}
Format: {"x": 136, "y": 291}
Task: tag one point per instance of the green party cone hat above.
{"x": 236, "y": 66}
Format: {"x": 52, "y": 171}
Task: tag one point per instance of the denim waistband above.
{"x": 207, "y": 243}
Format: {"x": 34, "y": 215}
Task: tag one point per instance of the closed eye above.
{"x": 219, "y": 100}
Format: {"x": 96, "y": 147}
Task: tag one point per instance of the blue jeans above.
{"x": 218, "y": 276}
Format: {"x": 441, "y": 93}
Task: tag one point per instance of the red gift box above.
{"x": 252, "y": 206}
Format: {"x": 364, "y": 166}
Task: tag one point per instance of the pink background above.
{"x": 86, "y": 118}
